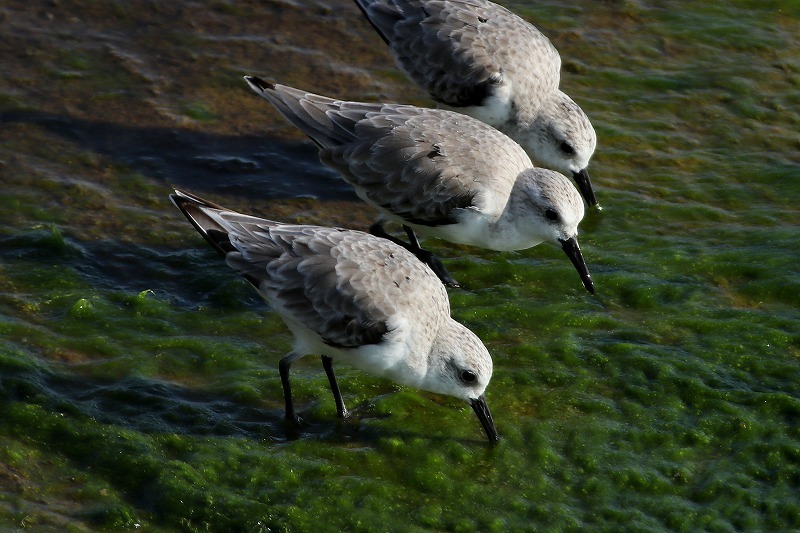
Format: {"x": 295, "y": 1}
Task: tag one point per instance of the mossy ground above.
{"x": 138, "y": 377}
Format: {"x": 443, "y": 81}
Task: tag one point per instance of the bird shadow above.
{"x": 144, "y": 405}
{"x": 247, "y": 166}
{"x": 254, "y": 166}
{"x": 155, "y": 407}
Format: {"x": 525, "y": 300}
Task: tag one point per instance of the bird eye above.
{"x": 566, "y": 147}
{"x": 551, "y": 215}
{"x": 467, "y": 376}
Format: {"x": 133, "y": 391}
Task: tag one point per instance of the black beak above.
{"x": 573, "y": 251}
{"x": 485, "y": 416}
{"x": 585, "y": 186}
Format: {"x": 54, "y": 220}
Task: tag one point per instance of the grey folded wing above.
{"x": 461, "y": 51}
{"x": 298, "y": 270}
{"x": 423, "y": 165}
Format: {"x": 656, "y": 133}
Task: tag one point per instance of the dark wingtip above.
{"x": 181, "y": 197}
{"x": 182, "y": 200}
{"x": 257, "y": 84}
{"x": 193, "y": 208}
{"x": 363, "y": 7}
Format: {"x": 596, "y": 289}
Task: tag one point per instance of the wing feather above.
{"x": 461, "y": 51}
{"x": 422, "y": 165}
{"x": 298, "y": 270}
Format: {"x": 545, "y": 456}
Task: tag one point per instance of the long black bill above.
{"x": 585, "y": 186}
{"x": 573, "y": 251}
{"x": 481, "y": 409}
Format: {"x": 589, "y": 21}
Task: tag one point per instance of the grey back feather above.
{"x": 461, "y": 50}
{"x": 422, "y": 165}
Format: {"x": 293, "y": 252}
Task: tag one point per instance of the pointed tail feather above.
{"x": 196, "y": 210}
{"x": 319, "y": 117}
{"x": 380, "y": 17}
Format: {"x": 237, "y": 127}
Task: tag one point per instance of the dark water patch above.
{"x": 245, "y": 165}
{"x": 46, "y": 243}
{"x": 183, "y": 277}
{"x": 142, "y": 405}
{"x": 155, "y": 407}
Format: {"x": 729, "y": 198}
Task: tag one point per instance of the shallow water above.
{"x": 138, "y": 377}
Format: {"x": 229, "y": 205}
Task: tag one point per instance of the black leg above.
{"x": 412, "y": 237}
{"x": 425, "y": 256}
{"x": 283, "y": 366}
{"x": 327, "y": 363}
{"x": 377, "y": 230}
{"x": 429, "y": 259}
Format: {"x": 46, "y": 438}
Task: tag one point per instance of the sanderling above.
{"x": 438, "y": 172}
{"x": 478, "y": 58}
{"x": 353, "y": 297}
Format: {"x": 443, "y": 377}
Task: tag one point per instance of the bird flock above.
{"x": 464, "y": 172}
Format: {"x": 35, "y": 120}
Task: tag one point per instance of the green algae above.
{"x": 138, "y": 378}
{"x": 198, "y": 111}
